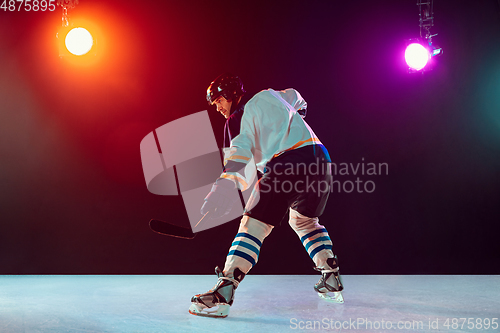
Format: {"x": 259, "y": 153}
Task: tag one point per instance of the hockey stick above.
{"x": 168, "y": 229}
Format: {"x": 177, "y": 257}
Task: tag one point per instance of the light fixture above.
{"x": 420, "y": 51}
{"x": 79, "y": 41}
{"x": 73, "y": 38}
{"x": 65, "y": 5}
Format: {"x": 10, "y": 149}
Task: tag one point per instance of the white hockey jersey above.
{"x": 270, "y": 126}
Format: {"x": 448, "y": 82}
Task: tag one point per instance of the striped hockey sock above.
{"x": 313, "y": 236}
{"x": 245, "y": 249}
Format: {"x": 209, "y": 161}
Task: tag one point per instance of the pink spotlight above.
{"x": 416, "y": 56}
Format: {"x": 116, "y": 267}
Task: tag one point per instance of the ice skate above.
{"x": 217, "y": 301}
{"x": 329, "y": 286}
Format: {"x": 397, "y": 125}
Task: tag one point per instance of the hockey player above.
{"x": 270, "y": 129}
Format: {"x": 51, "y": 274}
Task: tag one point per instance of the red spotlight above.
{"x": 79, "y": 41}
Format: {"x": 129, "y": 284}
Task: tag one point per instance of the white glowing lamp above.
{"x": 416, "y": 56}
{"x": 79, "y": 41}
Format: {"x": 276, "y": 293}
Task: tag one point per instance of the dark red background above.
{"x": 73, "y": 199}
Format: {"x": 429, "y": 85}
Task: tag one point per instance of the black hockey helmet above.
{"x": 226, "y": 85}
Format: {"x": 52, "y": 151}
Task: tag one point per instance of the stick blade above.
{"x": 167, "y": 229}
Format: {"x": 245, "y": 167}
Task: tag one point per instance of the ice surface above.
{"x": 263, "y": 303}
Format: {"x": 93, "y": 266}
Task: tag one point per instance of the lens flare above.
{"x": 79, "y": 41}
{"x": 416, "y": 56}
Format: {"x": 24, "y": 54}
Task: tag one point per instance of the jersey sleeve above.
{"x": 239, "y": 158}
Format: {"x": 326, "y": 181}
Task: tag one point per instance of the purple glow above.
{"x": 416, "y": 56}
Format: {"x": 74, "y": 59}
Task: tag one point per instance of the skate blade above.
{"x": 334, "y": 297}
{"x": 219, "y": 311}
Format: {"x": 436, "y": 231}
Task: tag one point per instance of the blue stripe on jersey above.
{"x": 242, "y": 255}
{"x": 255, "y": 239}
{"x": 314, "y": 241}
{"x": 248, "y": 246}
{"x": 319, "y": 248}
{"x": 312, "y": 233}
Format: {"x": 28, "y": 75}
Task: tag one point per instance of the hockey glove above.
{"x": 221, "y": 199}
